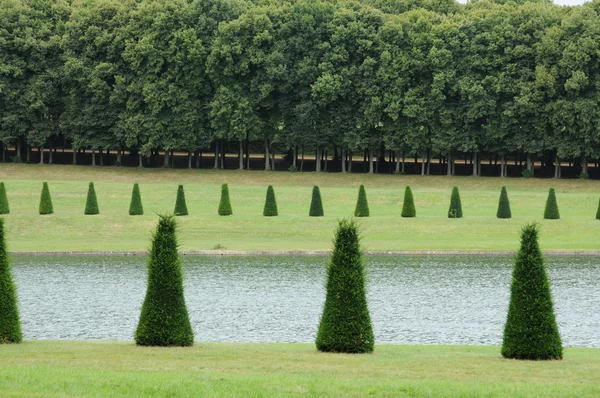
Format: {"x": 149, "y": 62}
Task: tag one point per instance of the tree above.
{"x": 91, "y": 204}
{"x": 362, "y": 205}
{"x": 346, "y": 324}
{"x": 455, "y": 210}
{"x": 46, "y": 201}
{"x": 503, "y": 205}
{"x": 164, "y": 319}
{"x": 270, "y": 209}
{"x": 408, "y": 206}
{"x": 551, "y": 211}
{"x": 180, "y": 205}
{"x": 316, "y": 205}
{"x": 225, "y": 203}
{"x": 4, "y": 208}
{"x": 10, "y": 324}
{"x": 531, "y": 331}
{"x": 135, "y": 207}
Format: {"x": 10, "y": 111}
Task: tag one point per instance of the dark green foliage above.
{"x": 362, "y": 205}
{"x": 455, "y": 210}
{"x": 598, "y": 211}
{"x": 408, "y": 206}
{"x": 270, "y": 209}
{"x": 91, "y": 205}
{"x": 10, "y": 324}
{"x": 224, "y": 203}
{"x": 46, "y": 201}
{"x": 135, "y": 207}
{"x": 503, "y": 205}
{"x": 4, "y": 208}
{"x": 164, "y": 319}
{"x": 180, "y": 205}
{"x": 530, "y": 331}
{"x": 551, "y": 212}
{"x": 346, "y": 324}
{"x": 316, "y": 206}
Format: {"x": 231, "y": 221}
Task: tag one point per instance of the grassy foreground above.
{"x": 54, "y": 368}
{"x": 68, "y": 229}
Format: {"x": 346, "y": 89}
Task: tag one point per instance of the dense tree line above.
{"x": 377, "y": 80}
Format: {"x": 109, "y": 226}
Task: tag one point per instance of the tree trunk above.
{"x": 450, "y": 162}
{"x": 529, "y": 162}
{"x": 93, "y": 157}
{"x": 119, "y": 153}
{"x": 370, "y": 154}
{"x": 189, "y": 159}
{"x": 166, "y": 159}
{"x": 350, "y": 162}
{"x": 325, "y": 158}
{"x": 474, "y": 161}
{"x": 241, "y": 152}
{"x": 50, "y": 154}
{"x": 141, "y": 163}
{"x": 74, "y": 156}
{"x": 101, "y": 157}
{"x": 318, "y": 160}
{"x": 423, "y": 161}
{"x": 18, "y": 148}
{"x": 216, "y": 155}
{"x": 273, "y": 159}
{"x": 343, "y": 160}
{"x": 295, "y": 155}
{"x": 197, "y": 158}
{"x": 428, "y": 161}
{"x": 222, "y": 155}
{"x": 28, "y": 158}
{"x": 302, "y": 161}
{"x": 557, "y": 167}
{"x": 502, "y": 167}
{"x": 584, "y": 166}
{"x": 247, "y": 152}
{"x": 266, "y": 155}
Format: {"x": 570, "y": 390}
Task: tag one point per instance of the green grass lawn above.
{"x": 114, "y": 230}
{"x": 68, "y": 368}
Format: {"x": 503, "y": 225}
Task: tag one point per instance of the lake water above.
{"x": 412, "y": 299}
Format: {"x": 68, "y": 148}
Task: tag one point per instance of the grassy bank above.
{"x": 114, "y": 230}
{"x": 51, "y": 368}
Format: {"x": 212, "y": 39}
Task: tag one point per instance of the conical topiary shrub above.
{"x": 10, "y": 324}
{"x": 598, "y": 211}
{"x": 530, "y": 331}
{"x": 503, "y": 205}
{"x": 180, "y": 205}
{"x": 91, "y": 204}
{"x": 224, "y": 203}
{"x": 4, "y": 208}
{"x": 46, "y": 201}
{"x": 316, "y": 206}
{"x": 455, "y": 210}
{"x": 135, "y": 207}
{"x": 346, "y": 324}
{"x": 164, "y": 320}
{"x": 551, "y": 212}
{"x": 362, "y": 205}
{"x": 408, "y": 206}
{"x": 270, "y": 209}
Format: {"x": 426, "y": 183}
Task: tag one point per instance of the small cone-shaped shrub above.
{"x": 530, "y": 331}
{"x": 91, "y": 205}
{"x": 316, "y": 206}
{"x": 4, "y": 209}
{"x": 135, "y": 207}
{"x": 224, "y": 203}
{"x": 270, "y": 209}
{"x": 346, "y": 324}
{"x": 164, "y": 320}
{"x": 362, "y": 205}
{"x": 503, "y": 205}
{"x": 598, "y": 211}
{"x": 180, "y": 205}
{"x": 46, "y": 201}
{"x": 10, "y": 324}
{"x": 551, "y": 212}
{"x": 408, "y": 207}
{"x": 455, "y": 210}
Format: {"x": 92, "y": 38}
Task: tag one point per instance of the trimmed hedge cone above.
{"x": 455, "y": 210}
{"x": 180, "y": 205}
{"x": 408, "y": 206}
{"x": 316, "y": 205}
{"x": 270, "y": 209}
{"x": 503, "y": 205}
{"x": 135, "y": 207}
{"x": 4, "y": 208}
{"x": 362, "y": 205}
{"x": 551, "y": 211}
{"x": 46, "y": 201}
{"x": 91, "y": 204}
{"x": 346, "y": 324}
{"x": 164, "y": 320}
{"x": 225, "y": 203}
{"x": 10, "y": 324}
{"x": 530, "y": 331}
{"x": 598, "y": 211}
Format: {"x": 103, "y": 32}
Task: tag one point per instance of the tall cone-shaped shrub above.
{"x": 316, "y": 205}
{"x": 503, "y": 205}
{"x": 362, "y": 205}
{"x": 135, "y": 207}
{"x": 455, "y": 210}
{"x": 10, "y": 324}
{"x": 164, "y": 320}
{"x": 180, "y": 205}
{"x": 408, "y": 206}
{"x": 224, "y": 203}
{"x": 270, "y": 209}
{"x": 46, "y": 201}
{"x": 530, "y": 331}
{"x": 91, "y": 204}
{"x": 346, "y": 324}
{"x": 4, "y": 208}
{"x": 551, "y": 212}
{"x": 598, "y": 211}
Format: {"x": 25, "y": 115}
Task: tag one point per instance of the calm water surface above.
{"x": 412, "y": 299}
